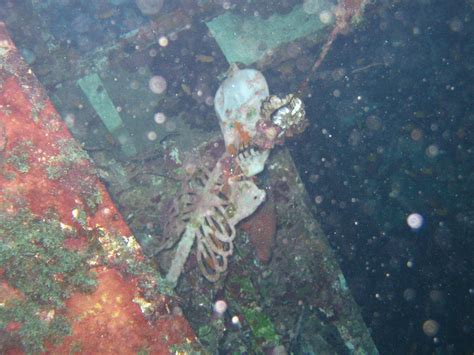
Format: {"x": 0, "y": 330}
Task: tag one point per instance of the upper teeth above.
{"x": 247, "y": 153}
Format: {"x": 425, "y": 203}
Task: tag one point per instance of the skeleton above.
{"x": 213, "y": 202}
{"x": 207, "y": 212}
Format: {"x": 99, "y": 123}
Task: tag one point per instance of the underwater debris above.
{"x": 149, "y": 7}
{"x": 346, "y": 12}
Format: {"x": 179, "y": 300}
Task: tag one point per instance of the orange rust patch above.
{"x": 7, "y": 292}
{"x": 109, "y": 322}
{"x": 40, "y": 192}
{"x": 261, "y": 228}
{"x": 232, "y": 150}
{"x": 243, "y": 134}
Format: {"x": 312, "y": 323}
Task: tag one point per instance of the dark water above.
{"x": 391, "y": 140}
{"x": 389, "y": 145}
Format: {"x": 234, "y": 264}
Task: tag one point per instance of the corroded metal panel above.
{"x": 311, "y": 272}
{"x": 72, "y": 277}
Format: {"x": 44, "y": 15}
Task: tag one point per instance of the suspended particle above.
{"x": 163, "y": 41}
{"x": 415, "y": 221}
{"x": 220, "y": 307}
{"x": 151, "y": 136}
{"x": 431, "y": 327}
{"x": 160, "y": 118}
{"x": 157, "y": 84}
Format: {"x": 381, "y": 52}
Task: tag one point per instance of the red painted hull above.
{"x": 37, "y": 175}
